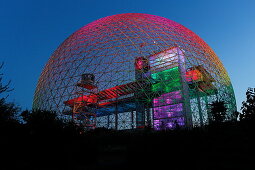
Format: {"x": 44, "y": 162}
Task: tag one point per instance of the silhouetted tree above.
{"x": 235, "y": 116}
{"x": 42, "y": 121}
{"x": 72, "y": 128}
{"x": 4, "y": 88}
{"x": 47, "y": 123}
{"x": 248, "y": 106}
{"x": 8, "y": 111}
{"x": 35, "y": 116}
{"x": 218, "y": 111}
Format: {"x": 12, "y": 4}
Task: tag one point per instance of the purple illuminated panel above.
{"x": 168, "y": 123}
{"x": 168, "y": 111}
{"x": 167, "y": 98}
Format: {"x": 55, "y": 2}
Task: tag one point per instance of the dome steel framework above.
{"x": 131, "y": 70}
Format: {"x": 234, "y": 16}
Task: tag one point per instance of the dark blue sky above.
{"x": 31, "y": 30}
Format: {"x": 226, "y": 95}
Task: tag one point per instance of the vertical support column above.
{"x": 199, "y": 108}
{"x": 108, "y": 121}
{"x": 209, "y": 116}
{"x": 148, "y": 117}
{"x": 132, "y": 119}
{"x": 140, "y": 116}
{"x": 116, "y": 115}
{"x": 152, "y": 116}
{"x": 184, "y": 88}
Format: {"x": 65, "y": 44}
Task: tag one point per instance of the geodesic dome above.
{"x": 133, "y": 70}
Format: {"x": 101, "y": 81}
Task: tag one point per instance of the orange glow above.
{"x": 193, "y": 75}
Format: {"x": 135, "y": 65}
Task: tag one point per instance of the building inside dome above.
{"x": 134, "y": 70}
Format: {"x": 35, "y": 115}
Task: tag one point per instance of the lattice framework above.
{"x": 110, "y": 48}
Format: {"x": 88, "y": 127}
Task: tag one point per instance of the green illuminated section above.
{"x": 168, "y": 80}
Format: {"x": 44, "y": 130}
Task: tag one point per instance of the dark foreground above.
{"x": 226, "y": 146}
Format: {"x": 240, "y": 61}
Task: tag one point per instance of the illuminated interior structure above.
{"x": 134, "y": 70}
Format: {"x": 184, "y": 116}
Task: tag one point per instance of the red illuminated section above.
{"x": 110, "y": 93}
{"x": 86, "y": 86}
{"x": 199, "y": 76}
{"x": 193, "y": 75}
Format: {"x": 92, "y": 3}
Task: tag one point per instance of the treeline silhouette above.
{"x": 43, "y": 141}
{"x": 38, "y": 139}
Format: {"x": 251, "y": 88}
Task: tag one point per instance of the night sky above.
{"x": 31, "y": 30}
